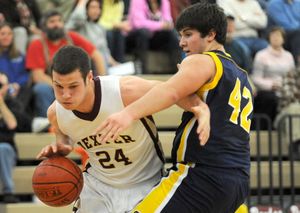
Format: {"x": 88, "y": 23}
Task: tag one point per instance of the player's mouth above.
{"x": 187, "y": 52}
{"x": 67, "y": 103}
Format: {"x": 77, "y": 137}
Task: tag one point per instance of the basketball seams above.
{"x": 70, "y": 185}
{"x": 68, "y": 171}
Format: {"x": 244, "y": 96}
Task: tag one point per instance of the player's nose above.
{"x": 66, "y": 94}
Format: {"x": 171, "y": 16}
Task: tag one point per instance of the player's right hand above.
{"x": 55, "y": 149}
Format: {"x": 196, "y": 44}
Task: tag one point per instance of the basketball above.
{"x": 57, "y": 181}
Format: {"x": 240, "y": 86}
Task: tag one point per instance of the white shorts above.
{"x": 98, "y": 197}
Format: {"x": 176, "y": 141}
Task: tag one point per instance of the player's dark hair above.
{"x": 70, "y": 58}
{"x": 204, "y": 17}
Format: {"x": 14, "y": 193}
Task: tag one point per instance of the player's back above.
{"x": 229, "y": 97}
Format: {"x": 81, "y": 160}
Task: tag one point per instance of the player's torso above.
{"x": 229, "y": 97}
{"x": 135, "y": 156}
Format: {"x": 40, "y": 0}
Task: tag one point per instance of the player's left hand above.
{"x": 203, "y": 116}
{"x": 111, "y": 128}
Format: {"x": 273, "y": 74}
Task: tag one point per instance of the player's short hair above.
{"x": 70, "y": 58}
{"x": 204, "y": 17}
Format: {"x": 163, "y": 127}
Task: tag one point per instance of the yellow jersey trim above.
{"x": 219, "y": 72}
{"x": 183, "y": 141}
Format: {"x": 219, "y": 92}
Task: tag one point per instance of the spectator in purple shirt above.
{"x": 153, "y": 29}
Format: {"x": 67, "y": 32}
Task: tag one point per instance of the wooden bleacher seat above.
{"x": 30, "y": 144}
{"x": 33, "y": 208}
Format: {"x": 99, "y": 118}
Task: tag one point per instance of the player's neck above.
{"x": 215, "y": 46}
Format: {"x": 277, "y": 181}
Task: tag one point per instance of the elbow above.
{"x": 174, "y": 97}
{"x": 12, "y": 125}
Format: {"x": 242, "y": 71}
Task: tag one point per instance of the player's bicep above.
{"x": 193, "y": 73}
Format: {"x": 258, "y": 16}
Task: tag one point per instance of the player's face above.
{"x": 70, "y": 90}
{"x": 191, "y": 41}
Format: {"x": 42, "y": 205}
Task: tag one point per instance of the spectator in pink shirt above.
{"x": 269, "y": 67}
{"x": 153, "y": 29}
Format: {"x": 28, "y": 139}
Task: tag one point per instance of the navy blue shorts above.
{"x": 197, "y": 189}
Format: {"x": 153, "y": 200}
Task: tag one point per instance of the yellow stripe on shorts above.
{"x": 156, "y": 200}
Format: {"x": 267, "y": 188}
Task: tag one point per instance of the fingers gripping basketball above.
{"x": 57, "y": 181}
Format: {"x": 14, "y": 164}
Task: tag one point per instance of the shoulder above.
{"x": 262, "y": 53}
{"x": 75, "y": 36}
{"x": 51, "y": 112}
{"x": 202, "y": 61}
{"x": 35, "y": 45}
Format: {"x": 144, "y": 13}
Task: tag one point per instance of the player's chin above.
{"x": 68, "y": 106}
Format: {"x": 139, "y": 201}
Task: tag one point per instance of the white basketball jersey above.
{"x": 134, "y": 157}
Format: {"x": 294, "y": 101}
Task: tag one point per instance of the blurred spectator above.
{"x": 8, "y": 151}
{"x": 289, "y": 104}
{"x": 64, "y": 7}
{"x": 208, "y": 1}
{"x": 269, "y": 67}
{"x": 290, "y": 90}
{"x": 177, "y": 6}
{"x": 84, "y": 20}
{"x": 12, "y": 63}
{"x": 114, "y": 20}
{"x": 286, "y": 13}
{"x": 41, "y": 51}
{"x": 153, "y": 29}
{"x": 24, "y": 15}
{"x": 249, "y": 18}
{"x": 235, "y": 48}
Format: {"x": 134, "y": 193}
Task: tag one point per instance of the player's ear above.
{"x": 90, "y": 76}
{"x": 211, "y": 35}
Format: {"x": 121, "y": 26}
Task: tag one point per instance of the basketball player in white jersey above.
{"x": 120, "y": 172}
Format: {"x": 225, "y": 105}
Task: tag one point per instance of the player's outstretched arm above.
{"x": 195, "y": 71}
{"x": 62, "y": 146}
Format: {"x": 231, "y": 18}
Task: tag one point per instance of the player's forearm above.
{"x": 7, "y": 115}
{"x": 39, "y": 76}
{"x": 189, "y": 102}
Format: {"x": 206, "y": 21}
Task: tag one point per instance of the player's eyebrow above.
{"x": 185, "y": 29}
{"x": 74, "y": 83}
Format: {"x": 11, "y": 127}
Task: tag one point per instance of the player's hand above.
{"x": 202, "y": 114}
{"x": 111, "y": 128}
{"x": 55, "y": 149}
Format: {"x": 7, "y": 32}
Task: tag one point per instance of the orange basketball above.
{"x": 57, "y": 181}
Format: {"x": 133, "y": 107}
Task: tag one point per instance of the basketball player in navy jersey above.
{"x": 119, "y": 172}
{"x": 213, "y": 178}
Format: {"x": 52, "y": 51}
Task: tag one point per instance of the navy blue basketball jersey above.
{"x": 229, "y": 97}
